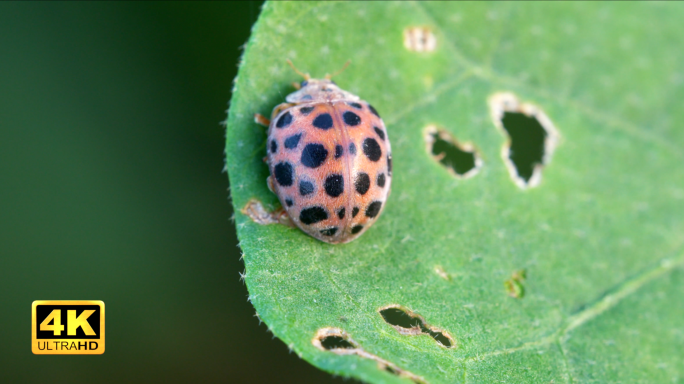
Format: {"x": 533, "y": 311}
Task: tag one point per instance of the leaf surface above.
{"x": 600, "y": 238}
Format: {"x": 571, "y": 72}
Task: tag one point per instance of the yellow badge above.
{"x": 66, "y": 327}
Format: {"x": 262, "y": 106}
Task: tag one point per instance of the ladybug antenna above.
{"x": 328, "y": 77}
{"x": 306, "y": 76}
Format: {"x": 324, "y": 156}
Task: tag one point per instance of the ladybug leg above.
{"x": 297, "y": 86}
{"x": 261, "y": 120}
{"x": 269, "y": 183}
{"x": 281, "y": 216}
{"x": 279, "y": 108}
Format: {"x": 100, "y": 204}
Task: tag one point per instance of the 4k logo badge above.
{"x": 67, "y": 327}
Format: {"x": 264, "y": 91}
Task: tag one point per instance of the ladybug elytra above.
{"x": 330, "y": 160}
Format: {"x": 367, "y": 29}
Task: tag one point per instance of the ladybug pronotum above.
{"x": 329, "y": 159}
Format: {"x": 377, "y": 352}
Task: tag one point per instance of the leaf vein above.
{"x": 492, "y": 76}
{"x": 600, "y": 306}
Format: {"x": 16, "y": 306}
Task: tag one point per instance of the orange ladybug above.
{"x": 330, "y": 160}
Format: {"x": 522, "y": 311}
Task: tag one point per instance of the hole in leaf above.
{"x": 439, "y": 337}
{"x": 532, "y": 138}
{"x": 419, "y": 39}
{"x": 399, "y": 318}
{"x": 391, "y": 370}
{"x": 335, "y": 342}
{"x": 527, "y": 142}
{"x": 409, "y": 323}
{"x": 514, "y": 285}
{"x": 460, "y": 159}
{"x": 401, "y": 373}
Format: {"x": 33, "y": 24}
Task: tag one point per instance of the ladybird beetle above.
{"x": 329, "y": 159}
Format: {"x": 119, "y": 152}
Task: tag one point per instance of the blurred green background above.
{"x": 111, "y": 157}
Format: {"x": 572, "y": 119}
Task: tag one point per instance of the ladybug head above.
{"x": 306, "y": 82}
{"x": 313, "y": 90}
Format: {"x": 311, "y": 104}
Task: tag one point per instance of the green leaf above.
{"x": 578, "y": 279}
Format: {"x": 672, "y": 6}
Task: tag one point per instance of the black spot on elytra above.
{"x": 381, "y": 180}
{"x": 362, "y": 183}
{"x": 314, "y": 155}
{"x": 306, "y": 187}
{"x": 380, "y": 132}
{"x": 356, "y": 229}
{"x": 352, "y": 148}
{"x": 284, "y": 174}
{"x": 389, "y": 165}
{"x": 304, "y": 83}
{"x": 341, "y": 213}
{"x": 306, "y": 110}
{"x": 323, "y": 121}
{"x": 334, "y": 185}
{"x": 373, "y": 110}
{"x": 373, "y": 209}
{"x": 284, "y": 120}
{"x": 355, "y": 211}
{"x": 329, "y": 231}
{"x": 338, "y": 151}
{"x": 274, "y": 146}
{"x": 312, "y": 215}
{"x": 371, "y": 149}
{"x": 289, "y": 202}
{"x": 355, "y": 105}
{"x": 293, "y": 141}
{"x": 351, "y": 118}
